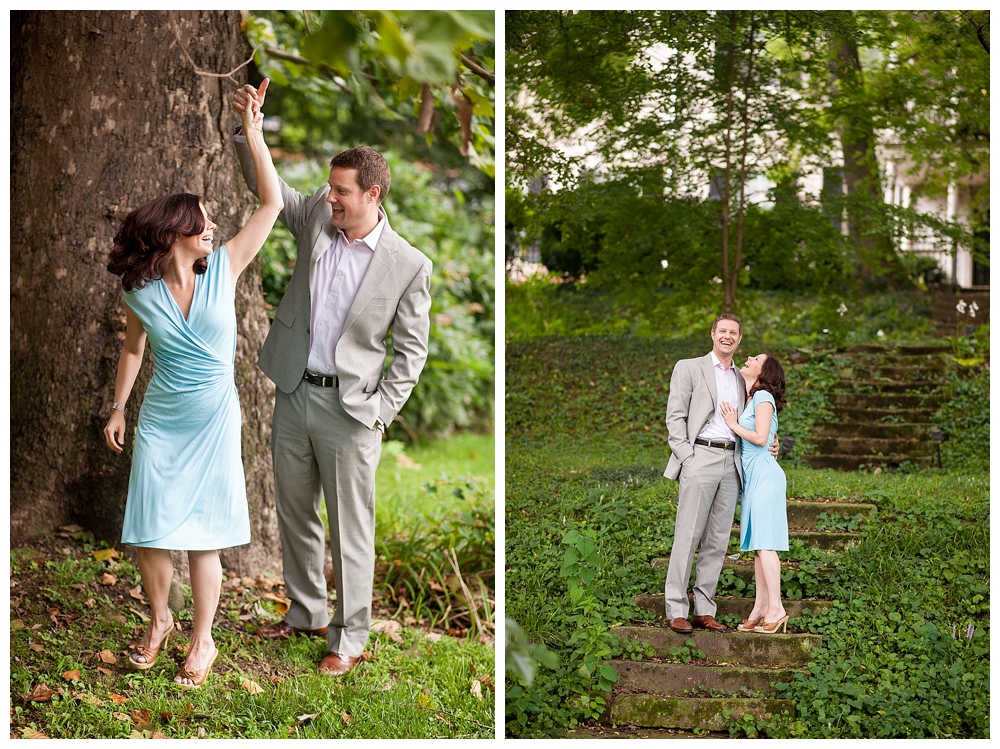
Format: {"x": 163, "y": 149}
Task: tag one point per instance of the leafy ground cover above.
{"x": 75, "y": 608}
{"x": 906, "y": 648}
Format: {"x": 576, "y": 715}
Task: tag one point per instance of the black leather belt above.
{"x": 321, "y": 380}
{"x": 716, "y": 443}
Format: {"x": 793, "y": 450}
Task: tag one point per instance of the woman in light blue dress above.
{"x": 763, "y": 517}
{"x": 186, "y": 489}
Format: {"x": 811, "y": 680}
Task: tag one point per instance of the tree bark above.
{"x": 861, "y": 173}
{"x": 108, "y": 113}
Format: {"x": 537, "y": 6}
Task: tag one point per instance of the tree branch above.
{"x": 482, "y": 72}
{"x": 967, "y": 15}
{"x": 206, "y": 73}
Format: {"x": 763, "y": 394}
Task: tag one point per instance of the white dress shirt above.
{"x": 728, "y": 390}
{"x": 339, "y": 273}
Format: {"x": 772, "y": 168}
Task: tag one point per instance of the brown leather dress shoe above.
{"x": 680, "y": 624}
{"x": 708, "y": 622}
{"x": 283, "y": 630}
{"x": 335, "y": 664}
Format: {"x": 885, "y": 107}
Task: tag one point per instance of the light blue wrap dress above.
{"x": 763, "y": 516}
{"x": 187, "y": 489}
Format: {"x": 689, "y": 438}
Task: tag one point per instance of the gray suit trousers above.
{"x": 316, "y": 444}
{"x": 706, "y": 506}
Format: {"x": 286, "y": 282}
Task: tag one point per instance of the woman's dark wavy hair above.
{"x": 142, "y": 245}
{"x": 771, "y": 379}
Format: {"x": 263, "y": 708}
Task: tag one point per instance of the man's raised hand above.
{"x": 248, "y": 92}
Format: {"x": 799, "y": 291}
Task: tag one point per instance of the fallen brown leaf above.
{"x": 70, "y": 528}
{"x": 90, "y": 603}
{"x": 280, "y": 604}
{"x": 388, "y": 627}
{"x": 117, "y": 698}
{"x": 367, "y": 656}
{"x": 252, "y": 687}
{"x": 37, "y": 647}
{"x": 71, "y": 675}
{"x": 41, "y": 693}
{"x": 157, "y": 735}
{"x": 137, "y": 594}
{"x": 122, "y": 716}
{"x": 108, "y": 657}
{"x": 277, "y": 679}
{"x": 30, "y": 733}
{"x": 304, "y": 718}
{"x": 346, "y": 718}
{"x": 16, "y": 624}
{"x": 105, "y": 671}
{"x": 165, "y": 715}
{"x": 141, "y": 717}
{"x": 103, "y": 555}
{"x": 108, "y": 579}
{"x": 476, "y": 689}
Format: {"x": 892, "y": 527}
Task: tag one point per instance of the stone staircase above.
{"x": 948, "y": 321}
{"x": 883, "y": 408}
{"x": 736, "y": 677}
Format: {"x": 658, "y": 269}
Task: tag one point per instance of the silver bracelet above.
{"x": 118, "y": 407}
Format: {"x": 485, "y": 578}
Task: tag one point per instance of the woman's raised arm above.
{"x": 245, "y": 245}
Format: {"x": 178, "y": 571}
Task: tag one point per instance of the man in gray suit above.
{"x": 705, "y": 456}
{"x": 326, "y": 351}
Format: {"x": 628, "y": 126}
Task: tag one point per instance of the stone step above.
{"x": 706, "y": 713}
{"x": 927, "y": 368}
{"x": 888, "y": 400}
{"x": 866, "y": 447}
{"x": 743, "y": 648}
{"x": 817, "y": 539}
{"x": 888, "y": 386}
{"x": 884, "y": 430}
{"x": 853, "y": 462}
{"x": 804, "y": 514}
{"x": 743, "y": 569}
{"x": 725, "y": 605}
{"x": 599, "y": 731}
{"x": 902, "y": 349}
{"x": 883, "y": 415}
{"x": 677, "y": 678}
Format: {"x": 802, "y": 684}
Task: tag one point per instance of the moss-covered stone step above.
{"x": 888, "y": 386}
{"x": 677, "y": 678}
{"x": 726, "y": 605}
{"x": 805, "y": 514}
{"x": 903, "y": 349}
{"x": 706, "y": 713}
{"x": 635, "y": 732}
{"x": 870, "y": 446}
{"x": 741, "y": 568}
{"x": 818, "y": 539}
{"x": 888, "y": 400}
{"x": 885, "y": 430}
{"x": 853, "y": 462}
{"x": 884, "y": 415}
{"x": 744, "y": 648}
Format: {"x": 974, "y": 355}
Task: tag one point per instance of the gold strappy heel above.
{"x": 149, "y": 654}
{"x": 769, "y": 628}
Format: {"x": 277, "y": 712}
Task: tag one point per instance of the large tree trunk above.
{"x": 107, "y": 113}
{"x": 861, "y": 172}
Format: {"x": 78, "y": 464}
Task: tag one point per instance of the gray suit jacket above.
{"x": 395, "y": 292}
{"x": 691, "y": 404}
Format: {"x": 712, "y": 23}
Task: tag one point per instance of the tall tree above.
{"x": 110, "y": 110}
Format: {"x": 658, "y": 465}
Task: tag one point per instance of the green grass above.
{"x": 418, "y": 684}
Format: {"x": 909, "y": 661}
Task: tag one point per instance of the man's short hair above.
{"x": 371, "y": 165}
{"x": 727, "y": 316}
